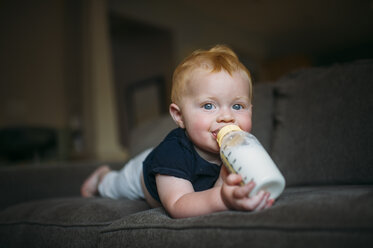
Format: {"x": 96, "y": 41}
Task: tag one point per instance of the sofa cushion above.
{"x": 33, "y": 182}
{"x": 324, "y": 125}
{"x": 62, "y": 222}
{"x": 339, "y": 216}
{"x": 263, "y": 113}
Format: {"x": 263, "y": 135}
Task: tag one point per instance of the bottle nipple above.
{"x": 225, "y": 130}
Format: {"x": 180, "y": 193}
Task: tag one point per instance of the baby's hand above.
{"x": 237, "y": 197}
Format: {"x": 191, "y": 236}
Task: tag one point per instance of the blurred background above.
{"x": 77, "y": 76}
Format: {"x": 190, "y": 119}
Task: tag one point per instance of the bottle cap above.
{"x": 225, "y": 130}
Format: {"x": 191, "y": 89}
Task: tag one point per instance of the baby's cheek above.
{"x": 246, "y": 124}
{"x": 200, "y": 123}
{"x": 199, "y": 131}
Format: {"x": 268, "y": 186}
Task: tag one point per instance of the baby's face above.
{"x": 214, "y": 100}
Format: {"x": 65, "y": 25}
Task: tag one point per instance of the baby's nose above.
{"x": 225, "y": 116}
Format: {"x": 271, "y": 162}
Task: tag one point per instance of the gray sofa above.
{"x": 316, "y": 124}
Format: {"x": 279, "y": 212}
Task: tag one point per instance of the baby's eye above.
{"x": 208, "y": 106}
{"x": 237, "y": 107}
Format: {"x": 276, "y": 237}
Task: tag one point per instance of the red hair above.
{"x": 216, "y": 59}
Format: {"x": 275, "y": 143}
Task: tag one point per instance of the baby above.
{"x": 184, "y": 173}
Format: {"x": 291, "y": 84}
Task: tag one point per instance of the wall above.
{"x": 55, "y": 72}
{"x": 32, "y": 71}
{"x": 141, "y": 54}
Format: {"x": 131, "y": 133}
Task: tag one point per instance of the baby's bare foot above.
{"x": 90, "y": 186}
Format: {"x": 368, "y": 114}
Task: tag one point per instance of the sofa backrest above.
{"x": 323, "y": 131}
{"x": 150, "y": 134}
{"x": 263, "y": 113}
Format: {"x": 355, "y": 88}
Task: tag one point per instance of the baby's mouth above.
{"x": 215, "y": 133}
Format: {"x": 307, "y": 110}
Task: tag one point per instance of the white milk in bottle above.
{"x": 242, "y": 153}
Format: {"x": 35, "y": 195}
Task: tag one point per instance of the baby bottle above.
{"x": 242, "y": 153}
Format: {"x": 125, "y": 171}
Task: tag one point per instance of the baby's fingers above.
{"x": 233, "y": 179}
{"x": 244, "y": 191}
{"x": 270, "y": 203}
{"x": 251, "y": 203}
{"x": 264, "y": 202}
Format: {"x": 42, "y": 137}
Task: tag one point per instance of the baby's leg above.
{"x": 125, "y": 183}
{"x": 90, "y": 186}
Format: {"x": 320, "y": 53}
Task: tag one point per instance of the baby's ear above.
{"x": 175, "y": 113}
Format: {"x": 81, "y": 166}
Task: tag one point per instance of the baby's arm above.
{"x": 180, "y": 200}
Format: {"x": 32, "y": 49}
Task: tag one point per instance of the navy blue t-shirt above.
{"x": 176, "y": 156}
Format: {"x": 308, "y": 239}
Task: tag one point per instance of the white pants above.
{"x": 125, "y": 183}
